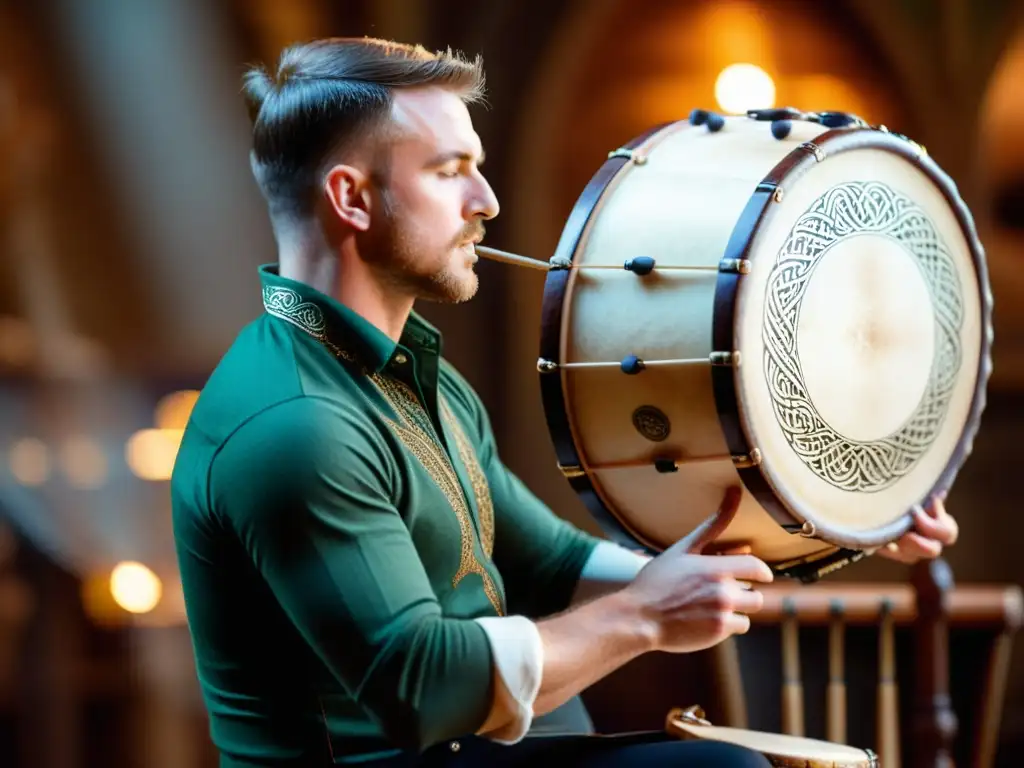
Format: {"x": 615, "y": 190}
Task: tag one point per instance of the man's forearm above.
{"x": 587, "y": 644}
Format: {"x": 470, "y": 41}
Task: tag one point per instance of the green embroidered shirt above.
{"x": 341, "y": 515}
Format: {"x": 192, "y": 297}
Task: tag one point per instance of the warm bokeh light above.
{"x": 150, "y": 453}
{"x": 17, "y": 342}
{"x": 98, "y": 602}
{"x": 30, "y": 461}
{"x": 172, "y": 411}
{"x": 740, "y": 87}
{"x": 84, "y": 462}
{"x": 135, "y": 587}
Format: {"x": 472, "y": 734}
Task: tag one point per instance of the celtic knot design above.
{"x": 288, "y": 305}
{"x": 847, "y": 210}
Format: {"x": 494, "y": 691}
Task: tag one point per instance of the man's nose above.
{"x": 484, "y": 202}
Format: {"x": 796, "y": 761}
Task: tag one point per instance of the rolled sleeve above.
{"x": 307, "y": 488}
{"x": 519, "y": 661}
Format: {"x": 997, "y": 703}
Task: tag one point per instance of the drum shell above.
{"x": 685, "y": 197}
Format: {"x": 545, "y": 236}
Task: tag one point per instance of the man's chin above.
{"x": 452, "y": 291}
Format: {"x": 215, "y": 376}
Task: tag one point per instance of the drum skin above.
{"x": 816, "y": 329}
{"x": 781, "y": 750}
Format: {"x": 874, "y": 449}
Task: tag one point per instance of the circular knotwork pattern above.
{"x": 858, "y": 208}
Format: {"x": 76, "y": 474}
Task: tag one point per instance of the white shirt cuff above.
{"x": 519, "y": 659}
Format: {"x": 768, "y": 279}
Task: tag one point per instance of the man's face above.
{"x": 435, "y": 199}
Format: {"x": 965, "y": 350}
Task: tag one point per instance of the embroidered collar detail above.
{"x": 288, "y": 305}
{"x": 332, "y": 323}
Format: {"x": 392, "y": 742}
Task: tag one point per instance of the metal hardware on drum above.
{"x": 640, "y": 265}
{"x": 808, "y": 529}
{"x": 827, "y": 119}
{"x": 666, "y": 465}
{"x": 694, "y": 714}
{"x": 814, "y": 149}
{"x": 632, "y": 365}
{"x": 638, "y": 158}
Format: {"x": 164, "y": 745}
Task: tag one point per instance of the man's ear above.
{"x": 348, "y": 194}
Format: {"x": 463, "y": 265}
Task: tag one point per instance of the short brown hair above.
{"x": 327, "y": 93}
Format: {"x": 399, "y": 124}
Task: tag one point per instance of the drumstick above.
{"x": 836, "y": 677}
{"x": 888, "y": 706}
{"x": 512, "y": 258}
{"x": 792, "y": 688}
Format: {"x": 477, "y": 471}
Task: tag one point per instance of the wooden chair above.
{"x": 927, "y": 611}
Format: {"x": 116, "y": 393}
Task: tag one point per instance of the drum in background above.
{"x": 781, "y": 750}
{"x": 796, "y": 303}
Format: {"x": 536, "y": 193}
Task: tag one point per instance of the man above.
{"x": 366, "y": 582}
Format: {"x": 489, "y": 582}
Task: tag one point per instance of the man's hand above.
{"x": 934, "y": 528}
{"x": 694, "y": 601}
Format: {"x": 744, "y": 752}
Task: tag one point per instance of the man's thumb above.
{"x": 713, "y": 527}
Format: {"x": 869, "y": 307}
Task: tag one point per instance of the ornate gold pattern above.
{"x": 481, "y": 488}
{"x": 418, "y": 435}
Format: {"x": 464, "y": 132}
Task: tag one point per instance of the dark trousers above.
{"x": 636, "y": 750}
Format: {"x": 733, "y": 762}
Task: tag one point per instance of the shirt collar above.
{"x": 328, "y": 320}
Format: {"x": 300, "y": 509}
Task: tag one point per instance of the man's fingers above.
{"x": 893, "y": 552}
{"x": 741, "y": 567}
{"x": 941, "y": 527}
{"x": 747, "y": 601}
{"x": 737, "y": 624}
{"x": 713, "y": 527}
{"x": 912, "y": 547}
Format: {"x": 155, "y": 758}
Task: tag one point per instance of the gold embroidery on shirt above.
{"x": 481, "y": 488}
{"x": 289, "y": 306}
{"x": 416, "y": 434}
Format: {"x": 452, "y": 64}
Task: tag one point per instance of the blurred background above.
{"x": 130, "y": 233}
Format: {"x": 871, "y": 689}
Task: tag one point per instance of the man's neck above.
{"x": 307, "y": 258}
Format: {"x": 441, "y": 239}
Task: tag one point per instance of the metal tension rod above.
{"x": 666, "y": 465}
{"x": 641, "y": 265}
{"x": 632, "y": 364}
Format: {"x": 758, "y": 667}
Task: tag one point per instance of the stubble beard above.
{"x": 400, "y": 263}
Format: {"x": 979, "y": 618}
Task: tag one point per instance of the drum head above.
{"x": 862, "y": 334}
{"x": 780, "y": 749}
